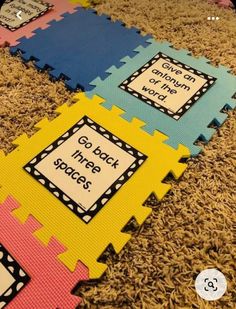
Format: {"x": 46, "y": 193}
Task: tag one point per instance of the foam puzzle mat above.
{"x": 223, "y": 3}
{"x": 84, "y": 3}
{"x": 12, "y": 37}
{"x": 31, "y": 272}
{"x": 68, "y": 191}
{"x": 76, "y": 55}
{"x": 78, "y": 176}
{"x": 171, "y": 91}
{"x": 29, "y": 11}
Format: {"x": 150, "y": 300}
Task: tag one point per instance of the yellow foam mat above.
{"x": 87, "y": 230}
{"x": 84, "y": 3}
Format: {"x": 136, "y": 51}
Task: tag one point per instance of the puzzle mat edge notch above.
{"x": 186, "y": 130}
{"x": 43, "y": 22}
{"x": 79, "y": 238}
{"x": 50, "y": 282}
{"x": 102, "y": 45}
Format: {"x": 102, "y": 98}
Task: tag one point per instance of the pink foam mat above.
{"x": 222, "y": 3}
{"x": 50, "y": 282}
{"x": 11, "y": 38}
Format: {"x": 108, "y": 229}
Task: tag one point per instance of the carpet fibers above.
{"x": 194, "y": 227}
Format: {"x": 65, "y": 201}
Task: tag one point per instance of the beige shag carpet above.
{"x": 194, "y": 227}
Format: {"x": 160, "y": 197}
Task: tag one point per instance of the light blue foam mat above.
{"x": 195, "y": 94}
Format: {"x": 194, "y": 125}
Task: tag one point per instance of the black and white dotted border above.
{"x": 48, "y": 6}
{"x": 20, "y": 276}
{"x": 210, "y": 81}
{"x": 86, "y": 215}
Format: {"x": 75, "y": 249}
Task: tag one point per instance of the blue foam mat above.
{"x": 80, "y": 47}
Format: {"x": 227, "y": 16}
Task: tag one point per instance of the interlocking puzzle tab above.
{"x": 8, "y": 37}
{"x": 170, "y": 91}
{"x": 85, "y": 174}
{"x": 80, "y": 47}
{"x": 32, "y": 273}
